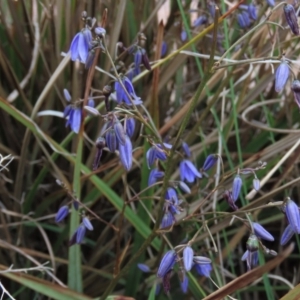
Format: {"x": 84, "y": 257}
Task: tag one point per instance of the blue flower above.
{"x": 293, "y": 215}
{"x": 200, "y": 21}
{"x": 236, "y": 187}
{"x": 62, "y": 213}
{"x": 144, "y": 268}
{"x": 209, "y": 162}
{"x": 186, "y": 149}
{"x": 121, "y": 95}
{"x": 188, "y": 171}
{"x": 261, "y": 232}
{"x": 271, "y": 2}
{"x": 126, "y": 153}
{"x": 184, "y": 284}
{"x": 167, "y": 263}
{"x": 291, "y": 18}
{"x": 287, "y": 235}
{"x": 251, "y": 258}
{"x": 154, "y": 175}
{"x": 187, "y": 256}
{"x": 156, "y": 152}
{"x": 137, "y": 61}
{"x": 80, "y": 45}
{"x": 281, "y": 76}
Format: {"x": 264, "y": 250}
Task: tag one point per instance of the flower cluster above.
{"x": 186, "y": 262}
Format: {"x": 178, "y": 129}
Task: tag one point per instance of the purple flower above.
{"x": 184, "y": 284}
{"x": 156, "y": 152}
{"x": 80, "y": 45}
{"x": 126, "y": 153}
{"x": 87, "y": 223}
{"x": 62, "y": 213}
{"x": 100, "y": 31}
{"x": 201, "y": 260}
{"x": 120, "y": 133}
{"x": 287, "y": 235}
{"x": 72, "y": 113}
{"x": 186, "y": 149}
{"x": 154, "y": 175}
{"x": 167, "y": 263}
{"x": 293, "y": 215}
{"x": 291, "y": 18}
{"x": 251, "y": 258}
{"x": 121, "y": 95}
{"x": 168, "y": 220}
{"x": 271, "y": 2}
{"x": 184, "y": 187}
{"x": 188, "y": 255}
{"x": 209, "y": 162}
{"x": 144, "y": 268}
{"x": 236, "y": 187}
{"x": 203, "y": 269}
{"x": 256, "y": 184}
{"x": 200, "y": 21}
{"x": 296, "y": 90}
{"x": 130, "y": 126}
{"x": 188, "y": 171}
{"x": 252, "y": 11}
{"x": 137, "y": 61}
{"x": 243, "y": 20}
{"x": 74, "y": 119}
{"x": 164, "y": 49}
{"x": 111, "y": 140}
{"x": 80, "y": 233}
{"x": 281, "y": 76}
{"x": 261, "y": 232}
{"x": 183, "y": 36}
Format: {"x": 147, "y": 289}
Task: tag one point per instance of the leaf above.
{"x": 44, "y": 287}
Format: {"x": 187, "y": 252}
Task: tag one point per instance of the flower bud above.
{"x": 291, "y": 18}
{"x": 130, "y": 126}
{"x": 166, "y": 263}
{"x": 209, "y": 162}
{"x": 287, "y": 235}
{"x": 144, "y": 268}
{"x": 62, "y": 213}
{"x": 80, "y": 233}
{"x": 236, "y": 187}
{"x": 120, "y": 133}
{"x": 111, "y": 140}
{"x": 188, "y": 255}
{"x": 126, "y": 153}
{"x": 281, "y": 76}
{"x": 87, "y": 223}
{"x": 293, "y": 215}
{"x": 256, "y": 184}
{"x": 261, "y": 232}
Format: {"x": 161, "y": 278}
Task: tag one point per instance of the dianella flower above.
{"x": 62, "y": 213}
{"x": 281, "y": 76}
{"x": 209, "y": 162}
{"x": 184, "y": 284}
{"x": 292, "y": 214}
{"x": 296, "y": 90}
{"x": 251, "y": 255}
{"x": 157, "y": 151}
{"x": 130, "y": 126}
{"x": 202, "y": 265}
{"x": 188, "y": 171}
{"x": 126, "y": 153}
{"x": 72, "y": 113}
{"x": 291, "y": 18}
{"x": 122, "y": 96}
{"x": 186, "y": 149}
{"x": 287, "y": 235}
{"x": 236, "y": 187}
{"x": 144, "y": 268}
{"x": 80, "y": 45}
{"x": 154, "y": 175}
{"x": 261, "y": 232}
{"x": 200, "y": 21}
{"x": 167, "y": 263}
{"x": 188, "y": 256}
